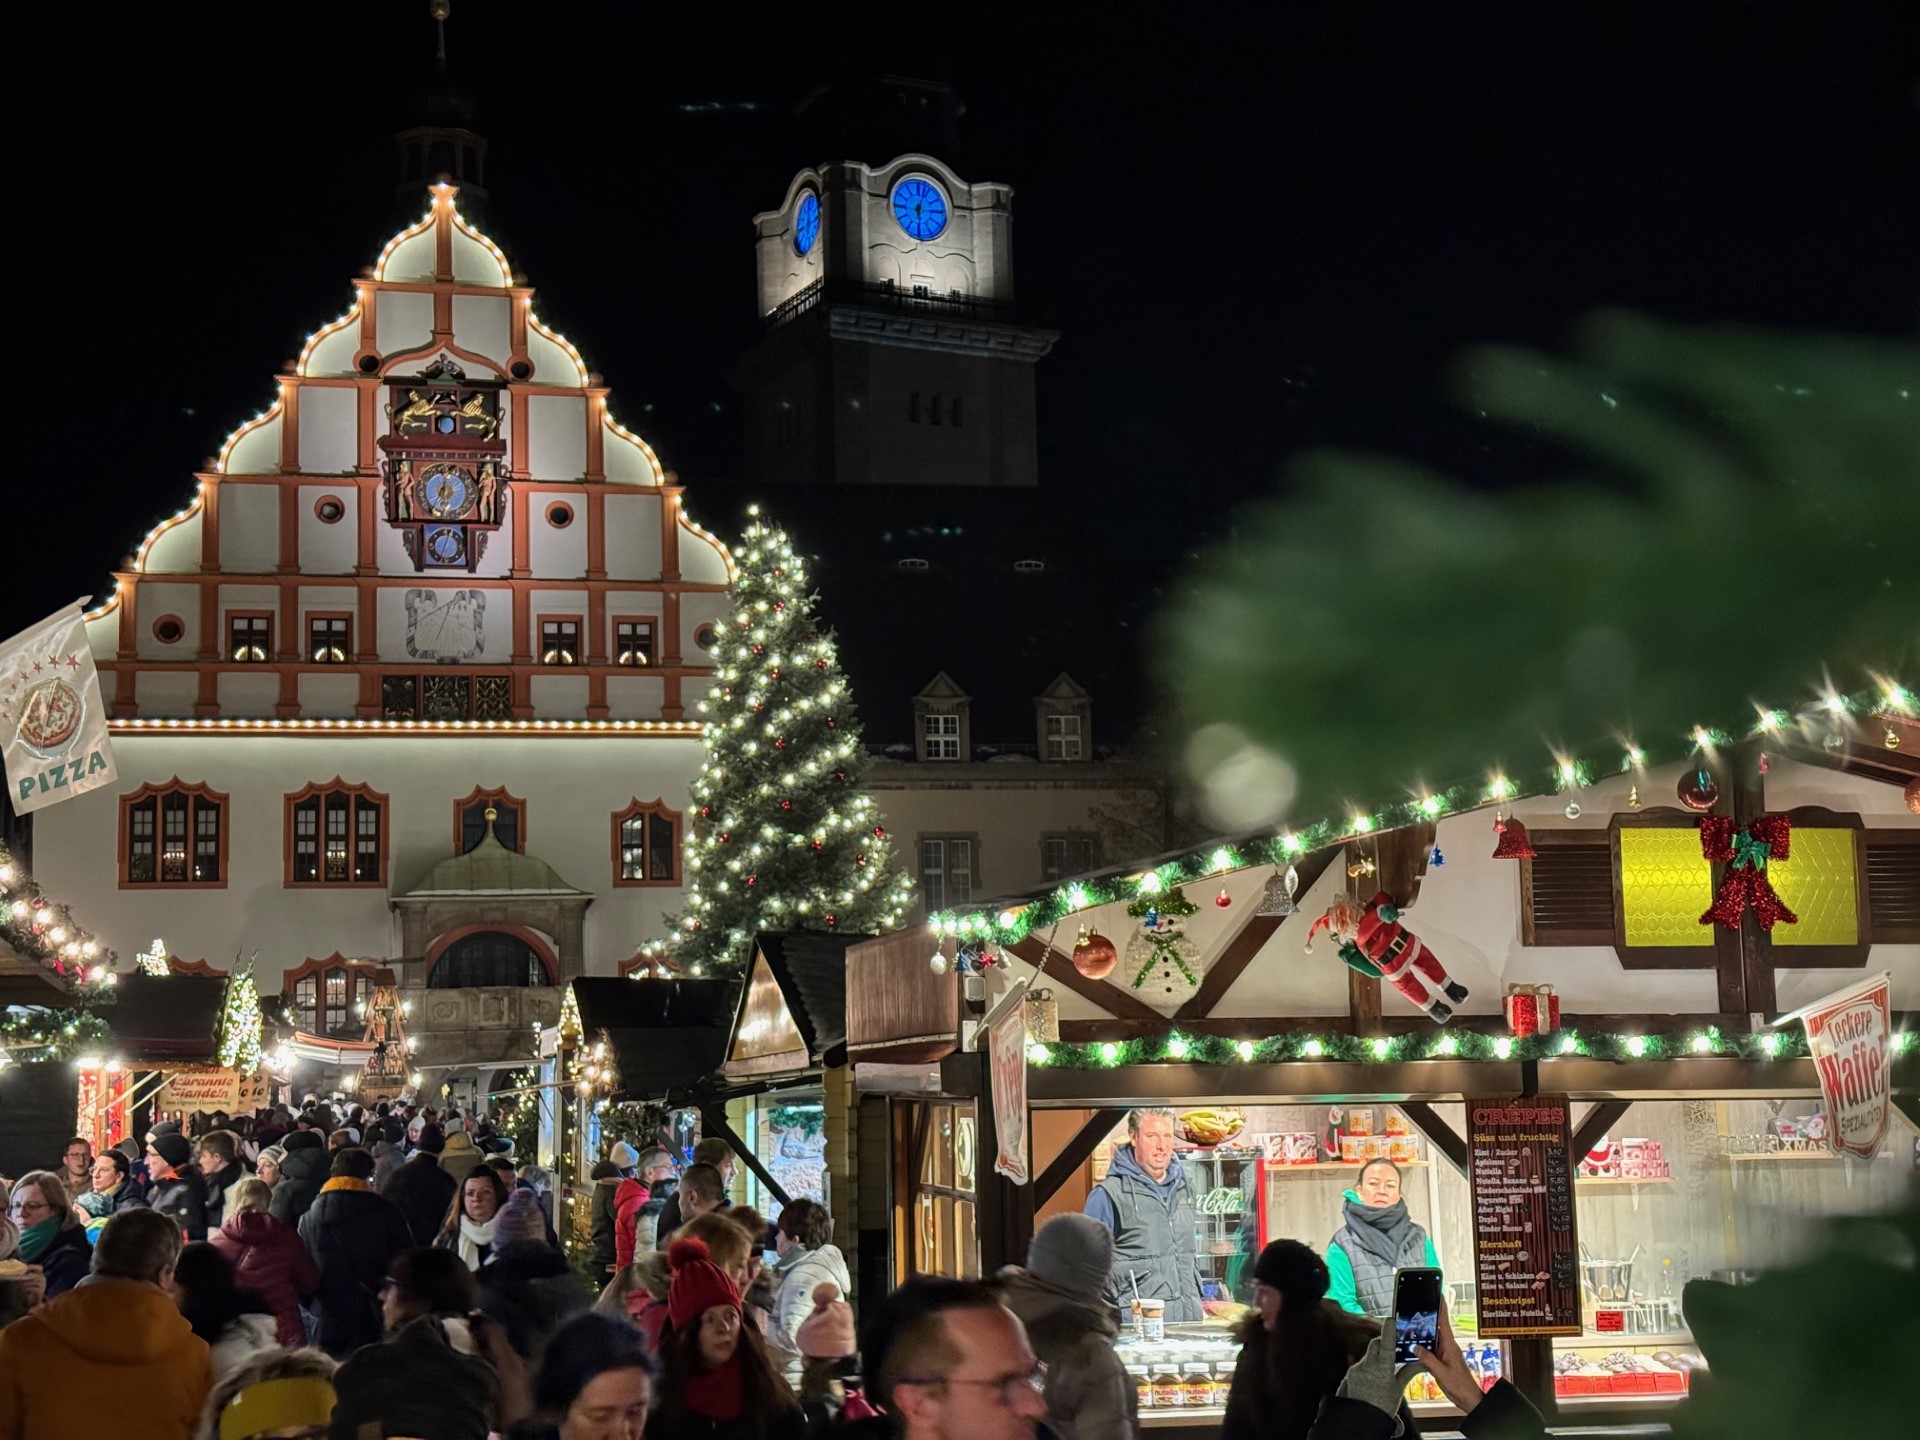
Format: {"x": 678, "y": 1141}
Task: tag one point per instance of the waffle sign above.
{"x": 1850, "y": 1036}
{"x": 53, "y": 727}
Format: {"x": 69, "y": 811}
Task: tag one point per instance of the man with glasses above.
{"x": 76, "y": 1166}
{"x": 953, "y": 1363}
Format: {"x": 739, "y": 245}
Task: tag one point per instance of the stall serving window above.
{"x": 938, "y": 1140}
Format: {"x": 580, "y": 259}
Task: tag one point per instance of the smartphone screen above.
{"x": 1416, "y": 1312}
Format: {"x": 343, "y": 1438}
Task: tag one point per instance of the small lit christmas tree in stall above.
{"x": 784, "y": 835}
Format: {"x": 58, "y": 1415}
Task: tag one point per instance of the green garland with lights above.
{"x": 1318, "y": 1046}
{"x": 34, "y": 1034}
{"x": 1818, "y": 723}
{"x": 43, "y": 931}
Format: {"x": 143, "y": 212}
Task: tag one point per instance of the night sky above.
{"x": 1258, "y": 228}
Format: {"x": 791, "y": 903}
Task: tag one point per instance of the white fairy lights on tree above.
{"x": 240, "y": 1022}
{"x": 153, "y": 960}
{"x": 784, "y": 835}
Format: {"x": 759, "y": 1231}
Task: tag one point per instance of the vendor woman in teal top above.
{"x": 1376, "y": 1239}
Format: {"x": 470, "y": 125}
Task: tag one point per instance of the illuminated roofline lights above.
{"x": 242, "y": 726}
{"x": 331, "y": 328}
{"x": 247, "y": 427}
{"x": 565, "y": 344}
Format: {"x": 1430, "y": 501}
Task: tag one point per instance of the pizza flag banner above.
{"x": 52, "y": 724}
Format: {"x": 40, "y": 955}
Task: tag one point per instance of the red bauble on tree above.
{"x": 1094, "y": 955}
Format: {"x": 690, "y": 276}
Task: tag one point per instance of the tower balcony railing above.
{"x": 888, "y": 296}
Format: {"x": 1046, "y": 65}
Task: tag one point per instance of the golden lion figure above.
{"x": 477, "y": 420}
{"x": 417, "y": 414}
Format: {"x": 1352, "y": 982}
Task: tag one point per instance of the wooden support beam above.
{"x": 1058, "y": 969}
{"x": 1248, "y": 940}
{"x": 713, "y": 1118}
{"x": 1599, "y": 1120}
{"x": 1749, "y": 788}
{"x": 1442, "y": 1136}
{"x": 1074, "y": 1153}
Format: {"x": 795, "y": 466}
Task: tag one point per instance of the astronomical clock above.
{"x": 445, "y": 467}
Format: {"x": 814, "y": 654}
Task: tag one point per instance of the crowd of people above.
{"x": 392, "y": 1272}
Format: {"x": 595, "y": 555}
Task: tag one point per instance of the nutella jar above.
{"x": 1141, "y": 1379}
{"x": 1169, "y": 1388}
{"x": 1196, "y": 1382}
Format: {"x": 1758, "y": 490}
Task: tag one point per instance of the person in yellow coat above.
{"x": 113, "y": 1355}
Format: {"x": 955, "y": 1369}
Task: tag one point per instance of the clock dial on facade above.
{"x": 446, "y": 545}
{"x": 919, "y": 207}
{"x": 806, "y": 224}
{"x": 446, "y": 492}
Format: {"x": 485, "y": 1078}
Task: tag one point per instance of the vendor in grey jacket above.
{"x": 1061, "y": 1297}
{"x": 1147, "y": 1205}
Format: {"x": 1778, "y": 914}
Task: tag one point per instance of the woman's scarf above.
{"x": 473, "y": 1239}
{"x": 1381, "y": 1233}
{"x": 35, "y": 1239}
{"x": 718, "y": 1394}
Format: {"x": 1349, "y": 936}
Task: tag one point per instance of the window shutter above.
{"x": 1893, "y": 886}
{"x": 1566, "y": 893}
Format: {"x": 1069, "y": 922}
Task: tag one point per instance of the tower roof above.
{"x": 491, "y": 869}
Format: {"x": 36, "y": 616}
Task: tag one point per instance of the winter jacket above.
{"x": 1368, "y": 1247}
{"x": 1089, "y": 1396}
{"x": 424, "y": 1193}
{"x": 183, "y": 1199}
{"x": 220, "y": 1188}
{"x": 425, "y": 1380}
{"x": 352, "y": 1235}
{"x": 792, "y": 1425}
{"x": 1503, "y": 1414}
{"x": 110, "y": 1357}
{"x": 531, "y": 1289}
{"x": 103, "y": 1204}
{"x": 1258, "y": 1409}
{"x": 797, "y": 1273}
{"x": 603, "y": 1253}
{"x": 628, "y": 1198}
{"x": 67, "y": 1260}
{"x": 387, "y": 1160}
{"x": 245, "y": 1337}
{"x": 667, "y": 1220}
{"x": 268, "y": 1258}
{"x": 1154, "y": 1234}
{"x": 302, "y": 1174}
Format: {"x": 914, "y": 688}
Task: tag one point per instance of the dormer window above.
{"x": 1063, "y": 737}
{"x": 942, "y": 722}
{"x": 1063, "y": 716}
{"x": 940, "y": 735}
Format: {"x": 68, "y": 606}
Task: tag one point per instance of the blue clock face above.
{"x": 445, "y": 491}
{"x": 446, "y": 546}
{"x": 806, "y": 224}
{"x": 919, "y": 207}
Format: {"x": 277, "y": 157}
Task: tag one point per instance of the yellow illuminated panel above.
{"x": 1665, "y": 886}
{"x": 1819, "y": 884}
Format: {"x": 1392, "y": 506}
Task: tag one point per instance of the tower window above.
{"x": 633, "y": 642}
{"x": 250, "y": 638}
{"x": 559, "y": 641}
{"x": 329, "y": 639}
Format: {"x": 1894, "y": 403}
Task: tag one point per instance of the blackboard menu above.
{"x": 1526, "y": 1256}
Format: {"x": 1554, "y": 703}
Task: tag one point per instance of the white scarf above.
{"x": 473, "y": 1238}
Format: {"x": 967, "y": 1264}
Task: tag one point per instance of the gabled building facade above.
{"x": 433, "y": 600}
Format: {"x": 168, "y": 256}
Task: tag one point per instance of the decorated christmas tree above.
{"x": 784, "y": 835}
{"x": 240, "y": 1022}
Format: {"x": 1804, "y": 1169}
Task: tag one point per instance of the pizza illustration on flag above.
{"x": 50, "y": 716}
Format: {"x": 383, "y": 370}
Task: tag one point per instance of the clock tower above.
{"x": 894, "y": 352}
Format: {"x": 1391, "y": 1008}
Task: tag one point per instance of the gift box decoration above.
{"x": 1532, "y": 1010}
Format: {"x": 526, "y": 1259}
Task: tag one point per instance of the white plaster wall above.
{"x": 411, "y": 259}
{"x": 177, "y": 550}
{"x": 572, "y": 788}
{"x": 390, "y": 551}
{"x": 473, "y": 263}
{"x": 551, "y": 364}
{"x": 625, "y": 462}
{"x": 633, "y": 536}
{"x": 249, "y": 529}
{"x": 701, "y": 560}
{"x": 559, "y": 697}
{"x": 403, "y": 319}
{"x": 334, "y": 598}
{"x": 635, "y": 697}
{"x": 333, "y": 353}
{"x": 328, "y": 696}
{"x": 552, "y": 551}
{"x": 556, "y": 437}
{"x": 157, "y": 598}
{"x": 329, "y": 549}
{"x": 696, "y": 610}
{"x": 168, "y": 693}
{"x": 258, "y": 451}
{"x": 480, "y": 324}
{"x": 329, "y": 429}
{"x": 247, "y": 692}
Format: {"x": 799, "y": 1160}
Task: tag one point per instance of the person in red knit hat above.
{"x": 717, "y": 1383}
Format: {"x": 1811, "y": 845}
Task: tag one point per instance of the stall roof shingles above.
{"x": 170, "y": 1015}
{"x": 668, "y": 1036}
{"x": 811, "y": 971}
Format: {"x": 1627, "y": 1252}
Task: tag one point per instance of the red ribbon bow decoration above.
{"x": 1744, "y": 883}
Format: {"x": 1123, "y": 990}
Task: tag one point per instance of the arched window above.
{"x": 646, "y": 845}
{"x": 329, "y": 995}
{"x": 336, "y": 835}
{"x": 173, "y": 835}
{"x": 509, "y": 820}
{"x": 488, "y": 957}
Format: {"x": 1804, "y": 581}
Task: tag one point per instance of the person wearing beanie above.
{"x": 528, "y": 1285}
{"x": 1296, "y": 1346}
{"x": 717, "y": 1382}
{"x": 179, "y": 1190}
{"x": 303, "y": 1170}
{"x": 623, "y": 1157}
{"x": 459, "y": 1154}
{"x": 266, "y": 1165}
{"x": 423, "y": 1188}
{"x": 1061, "y": 1297}
{"x": 351, "y": 1233}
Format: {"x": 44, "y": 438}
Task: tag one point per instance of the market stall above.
{"x": 1591, "y": 955}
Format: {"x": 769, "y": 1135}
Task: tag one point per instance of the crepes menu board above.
{"x": 1526, "y": 1257}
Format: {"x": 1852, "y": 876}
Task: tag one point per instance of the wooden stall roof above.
{"x": 667, "y": 1036}
{"x": 898, "y": 1010}
{"x": 792, "y": 1013}
{"x": 166, "y": 1017}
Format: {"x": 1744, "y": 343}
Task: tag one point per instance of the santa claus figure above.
{"x": 1374, "y": 942}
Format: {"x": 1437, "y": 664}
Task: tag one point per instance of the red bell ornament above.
{"x": 1513, "y": 843}
{"x": 1094, "y": 955}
